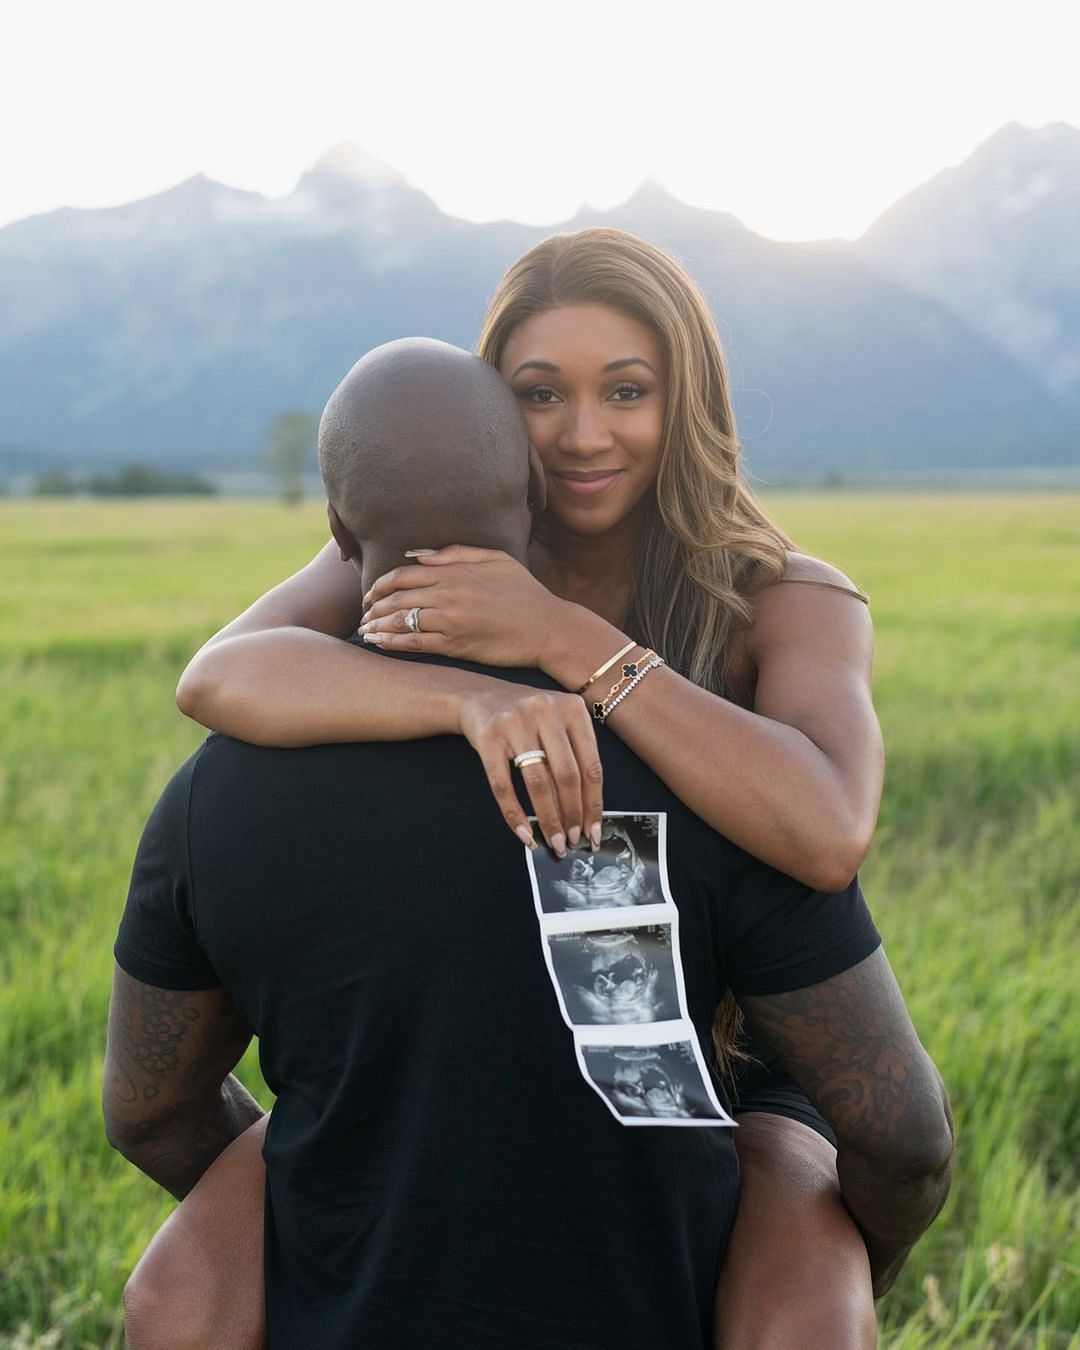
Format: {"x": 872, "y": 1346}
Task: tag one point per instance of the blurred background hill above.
{"x": 173, "y": 330}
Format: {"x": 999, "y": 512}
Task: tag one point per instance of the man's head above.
{"x": 422, "y": 445}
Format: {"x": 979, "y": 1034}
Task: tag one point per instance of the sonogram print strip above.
{"x": 609, "y": 934}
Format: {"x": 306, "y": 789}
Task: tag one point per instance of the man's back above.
{"x": 437, "y": 1157}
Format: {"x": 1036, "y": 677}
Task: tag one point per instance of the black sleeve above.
{"x": 157, "y": 942}
{"x": 781, "y": 935}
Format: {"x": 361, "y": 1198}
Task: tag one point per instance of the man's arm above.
{"x": 849, "y": 1042}
{"x": 170, "y": 1102}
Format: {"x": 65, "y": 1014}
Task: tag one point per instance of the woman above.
{"x": 761, "y": 720}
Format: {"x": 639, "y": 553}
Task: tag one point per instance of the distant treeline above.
{"x": 129, "y": 480}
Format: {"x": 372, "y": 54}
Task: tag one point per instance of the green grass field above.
{"x": 973, "y": 878}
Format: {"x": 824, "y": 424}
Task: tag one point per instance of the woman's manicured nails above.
{"x": 526, "y": 836}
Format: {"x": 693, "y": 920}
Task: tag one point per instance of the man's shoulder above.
{"x": 221, "y": 755}
{"x": 175, "y": 796}
{"x": 225, "y": 769}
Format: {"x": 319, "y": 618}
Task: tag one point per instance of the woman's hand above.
{"x": 474, "y": 603}
{"x": 566, "y": 789}
{"x": 482, "y": 605}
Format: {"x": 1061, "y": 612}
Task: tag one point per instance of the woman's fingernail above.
{"x": 526, "y": 836}
{"x": 419, "y": 552}
{"x": 574, "y": 835}
{"x": 375, "y": 637}
{"x": 558, "y": 844}
{"x": 363, "y": 628}
{"x": 594, "y": 835}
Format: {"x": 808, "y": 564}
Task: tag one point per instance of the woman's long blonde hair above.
{"x": 706, "y": 543}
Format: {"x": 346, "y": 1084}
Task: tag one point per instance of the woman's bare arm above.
{"x": 279, "y": 674}
{"x": 797, "y": 781}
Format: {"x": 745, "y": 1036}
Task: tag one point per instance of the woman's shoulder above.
{"x": 812, "y": 602}
{"x": 804, "y": 568}
{"x": 821, "y": 605}
{"x": 801, "y": 570}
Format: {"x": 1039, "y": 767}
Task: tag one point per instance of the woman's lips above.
{"x": 586, "y": 486}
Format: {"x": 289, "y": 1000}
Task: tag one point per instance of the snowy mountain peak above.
{"x": 347, "y": 160}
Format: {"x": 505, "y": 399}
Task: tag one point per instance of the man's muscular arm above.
{"x": 849, "y": 1042}
{"x": 170, "y": 1102}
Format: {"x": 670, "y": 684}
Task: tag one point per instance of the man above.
{"x": 442, "y": 1169}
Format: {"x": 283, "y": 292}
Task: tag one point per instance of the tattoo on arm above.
{"x": 850, "y": 1044}
{"x": 146, "y": 1038}
{"x": 171, "y": 1104}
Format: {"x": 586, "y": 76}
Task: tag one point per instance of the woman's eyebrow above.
{"x": 535, "y": 365}
{"x": 553, "y": 369}
{"x": 629, "y": 361}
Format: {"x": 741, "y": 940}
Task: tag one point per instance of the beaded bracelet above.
{"x": 601, "y": 711}
{"x": 629, "y": 670}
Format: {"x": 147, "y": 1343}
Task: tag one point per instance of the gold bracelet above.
{"x": 629, "y": 671}
{"x": 606, "y": 666}
{"x": 609, "y": 704}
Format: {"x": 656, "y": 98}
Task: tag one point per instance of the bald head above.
{"x": 422, "y": 445}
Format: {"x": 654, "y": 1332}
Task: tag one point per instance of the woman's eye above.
{"x": 627, "y": 392}
{"x": 539, "y": 393}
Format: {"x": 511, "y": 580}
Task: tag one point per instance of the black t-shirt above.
{"x": 459, "y": 1037}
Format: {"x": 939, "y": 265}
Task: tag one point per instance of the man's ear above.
{"x": 537, "y": 481}
{"x": 347, "y": 545}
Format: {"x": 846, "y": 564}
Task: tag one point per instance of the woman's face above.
{"x": 591, "y": 383}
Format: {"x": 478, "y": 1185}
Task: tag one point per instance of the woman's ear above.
{"x": 347, "y": 545}
{"x": 537, "y": 482}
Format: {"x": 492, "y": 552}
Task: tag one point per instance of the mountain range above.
{"x": 173, "y": 329}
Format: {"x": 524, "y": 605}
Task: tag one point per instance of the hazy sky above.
{"x": 805, "y": 119}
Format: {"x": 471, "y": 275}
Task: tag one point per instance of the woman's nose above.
{"x": 585, "y": 431}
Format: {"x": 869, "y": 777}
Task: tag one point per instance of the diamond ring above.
{"x": 529, "y": 757}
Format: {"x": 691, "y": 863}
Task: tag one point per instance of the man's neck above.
{"x": 376, "y": 562}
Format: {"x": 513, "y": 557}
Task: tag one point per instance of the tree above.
{"x": 55, "y": 483}
{"x": 144, "y": 480}
{"x": 290, "y": 443}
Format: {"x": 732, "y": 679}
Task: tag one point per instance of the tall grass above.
{"x": 973, "y": 877}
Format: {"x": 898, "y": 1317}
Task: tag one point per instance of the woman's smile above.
{"x": 582, "y": 484}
